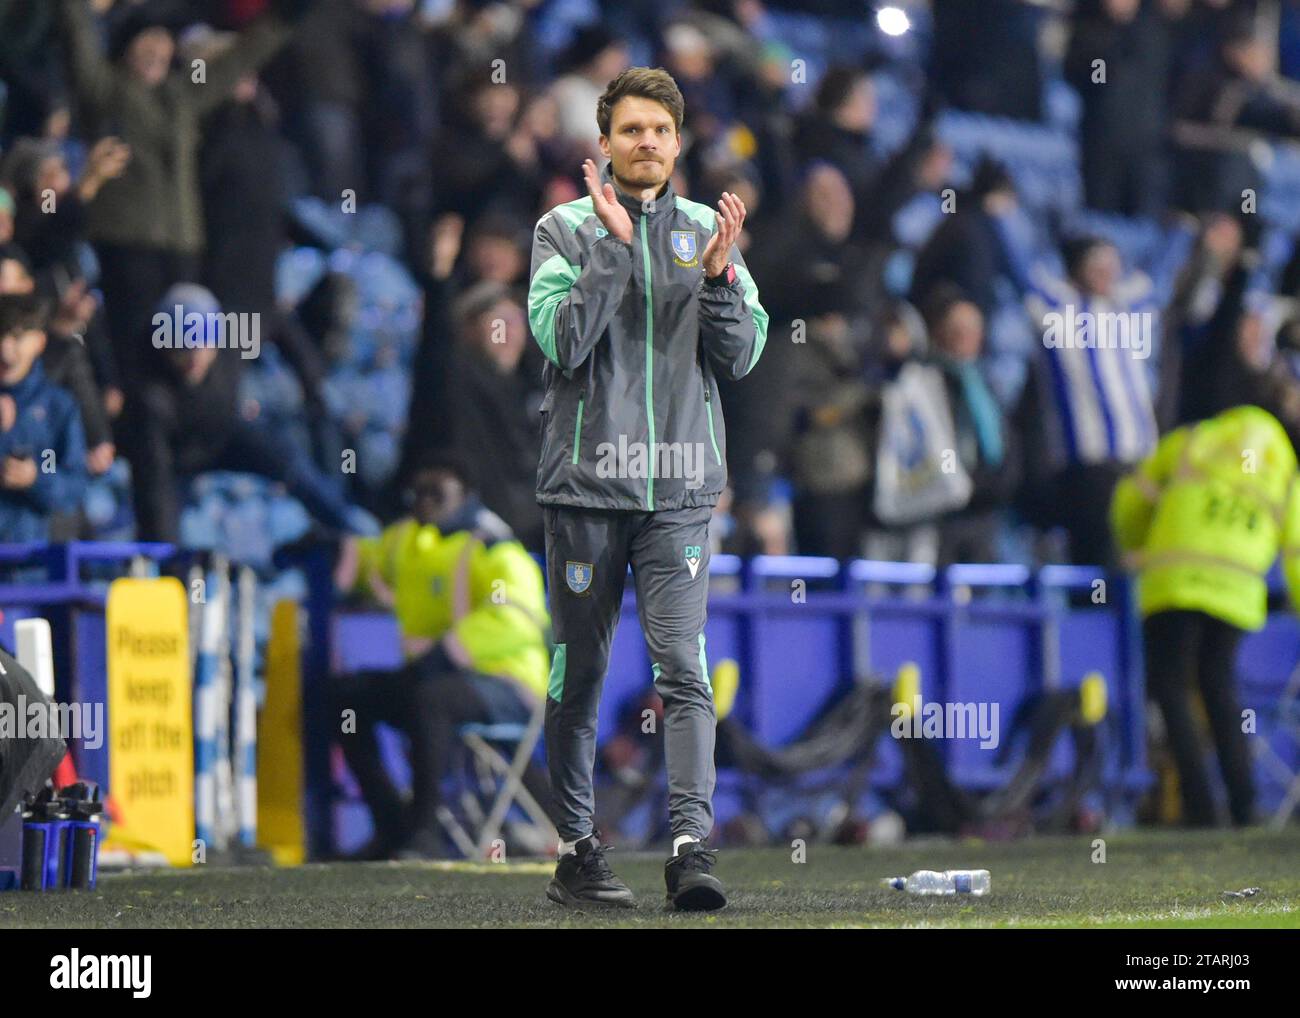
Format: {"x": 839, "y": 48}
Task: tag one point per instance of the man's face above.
{"x": 1100, "y": 270}
{"x": 643, "y": 144}
{"x": 149, "y": 57}
{"x": 495, "y": 107}
{"x": 500, "y": 335}
{"x": 52, "y": 175}
{"x": 496, "y": 258}
{"x": 18, "y": 351}
{"x": 438, "y": 496}
{"x": 961, "y": 332}
{"x": 829, "y": 202}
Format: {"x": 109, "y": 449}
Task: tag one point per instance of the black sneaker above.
{"x": 583, "y": 879}
{"x": 692, "y": 887}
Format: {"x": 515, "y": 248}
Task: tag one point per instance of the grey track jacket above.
{"x": 633, "y": 337}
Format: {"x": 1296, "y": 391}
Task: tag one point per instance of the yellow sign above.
{"x": 280, "y": 827}
{"x": 150, "y": 724}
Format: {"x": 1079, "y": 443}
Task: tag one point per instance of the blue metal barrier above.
{"x": 802, "y": 631}
{"x": 52, "y": 585}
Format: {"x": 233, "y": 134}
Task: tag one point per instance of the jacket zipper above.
{"x": 649, "y": 370}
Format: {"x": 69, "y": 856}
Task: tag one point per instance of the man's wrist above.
{"x": 724, "y": 277}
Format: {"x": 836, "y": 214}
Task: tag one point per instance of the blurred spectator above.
{"x": 825, "y": 292}
{"x": 912, "y": 406}
{"x": 984, "y": 438}
{"x": 42, "y": 448}
{"x": 472, "y": 393}
{"x": 156, "y": 112}
{"x": 50, "y": 212}
{"x": 33, "y": 85}
{"x": 595, "y": 57}
{"x": 837, "y": 129}
{"x": 429, "y": 420}
{"x": 1240, "y": 91}
{"x": 495, "y": 252}
{"x": 833, "y": 441}
{"x": 1004, "y": 78}
{"x": 824, "y": 297}
{"x": 1201, "y": 316}
{"x": 470, "y": 604}
{"x": 319, "y": 82}
{"x": 965, "y": 250}
{"x": 494, "y": 403}
{"x": 65, "y": 360}
{"x": 242, "y": 185}
{"x": 402, "y": 100}
{"x": 1243, "y": 88}
{"x": 481, "y": 162}
{"x": 762, "y": 108}
{"x": 188, "y": 423}
{"x": 50, "y": 226}
{"x": 1094, "y": 388}
{"x": 1119, "y": 61}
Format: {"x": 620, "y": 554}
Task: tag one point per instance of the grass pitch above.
{"x": 1149, "y": 879}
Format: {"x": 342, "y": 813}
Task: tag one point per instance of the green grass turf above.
{"x": 1159, "y": 878}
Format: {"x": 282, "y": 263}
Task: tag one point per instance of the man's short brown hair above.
{"x": 647, "y": 83}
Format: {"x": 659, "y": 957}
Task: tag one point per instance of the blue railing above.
{"x": 978, "y": 633}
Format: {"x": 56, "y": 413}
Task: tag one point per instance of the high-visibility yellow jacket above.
{"x": 486, "y": 597}
{"x": 1205, "y": 515}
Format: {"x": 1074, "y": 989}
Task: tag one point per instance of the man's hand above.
{"x": 114, "y": 400}
{"x": 107, "y": 161}
{"x": 18, "y": 473}
{"x": 606, "y": 205}
{"x": 100, "y": 458}
{"x": 444, "y": 244}
{"x": 731, "y": 217}
{"x": 8, "y": 412}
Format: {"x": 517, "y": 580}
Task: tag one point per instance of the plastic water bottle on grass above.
{"x": 974, "y": 882}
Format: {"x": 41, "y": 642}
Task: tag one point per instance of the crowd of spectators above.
{"x": 898, "y": 410}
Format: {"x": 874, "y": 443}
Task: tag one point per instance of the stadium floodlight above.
{"x": 892, "y": 20}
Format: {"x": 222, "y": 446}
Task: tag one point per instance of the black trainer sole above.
{"x": 701, "y": 897}
{"x": 561, "y": 895}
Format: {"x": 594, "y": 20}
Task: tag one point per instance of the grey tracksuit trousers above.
{"x": 588, "y": 552}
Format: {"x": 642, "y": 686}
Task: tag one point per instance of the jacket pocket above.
{"x": 583, "y": 398}
{"x": 708, "y": 413}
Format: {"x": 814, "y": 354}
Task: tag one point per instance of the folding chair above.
{"x": 499, "y": 784}
{"x": 1286, "y": 713}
